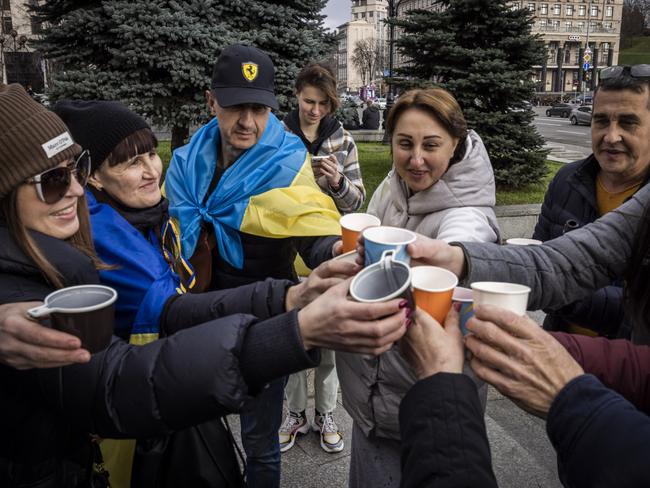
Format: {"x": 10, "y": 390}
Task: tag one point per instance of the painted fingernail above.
{"x": 457, "y": 306}
{"x": 409, "y": 312}
{"x": 403, "y": 304}
{"x": 409, "y": 322}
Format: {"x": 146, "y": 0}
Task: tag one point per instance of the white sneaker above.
{"x": 294, "y": 423}
{"x": 331, "y": 440}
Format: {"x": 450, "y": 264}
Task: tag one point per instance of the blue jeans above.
{"x": 260, "y": 422}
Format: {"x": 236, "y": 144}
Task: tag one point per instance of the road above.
{"x": 567, "y": 142}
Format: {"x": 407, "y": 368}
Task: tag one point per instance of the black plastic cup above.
{"x": 85, "y": 311}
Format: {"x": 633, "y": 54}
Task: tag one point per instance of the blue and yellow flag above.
{"x": 269, "y": 191}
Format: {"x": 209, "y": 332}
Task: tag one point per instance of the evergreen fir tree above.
{"x": 157, "y": 55}
{"x": 482, "y": 51}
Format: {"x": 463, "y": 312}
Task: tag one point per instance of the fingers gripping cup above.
{"x": 383, "y": 281}
{"x": 510, "y": 296}
{"x": 85, "y": 311}
{"x": 433, "y": 288}
{"x": 351, "y": 227}
{"x": 379, "y": 239}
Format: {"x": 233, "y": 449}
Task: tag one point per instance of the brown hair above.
{"x": 438, "y": 103}
{"x": 140, "y": 142}
{"x": 321, "y": 77}
{"x": 81, "y": 240}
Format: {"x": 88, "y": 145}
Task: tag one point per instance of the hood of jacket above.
{"x": 467, "y": 183}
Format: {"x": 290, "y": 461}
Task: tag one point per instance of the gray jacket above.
{"x": 569, "y": 267}
{"x": 459, "y": 206}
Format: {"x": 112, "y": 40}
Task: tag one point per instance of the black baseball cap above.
{"x": 244, "y": 74}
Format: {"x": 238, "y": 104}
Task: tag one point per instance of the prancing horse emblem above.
{"x": 249, "y": 70}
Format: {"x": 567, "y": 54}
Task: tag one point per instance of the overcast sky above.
{"x": 337, "y": 12}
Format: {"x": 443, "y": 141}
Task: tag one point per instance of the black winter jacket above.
{"x": 570, "y": 203}
{"x": 444, "y": 442}
{"x": 198, "y": 374}
{"x": 370, "y": 118}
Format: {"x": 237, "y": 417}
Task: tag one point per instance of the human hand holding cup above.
{"x": 85, "y": 311}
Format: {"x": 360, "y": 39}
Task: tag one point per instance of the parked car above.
{"x": 581, "y": 115}
{"x": 561, "y": 109}
{"x": 381, "y": 103}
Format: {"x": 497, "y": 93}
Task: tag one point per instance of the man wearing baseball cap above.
{"x": 245, "y": 198}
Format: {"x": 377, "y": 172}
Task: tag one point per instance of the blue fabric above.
{"x": 272, "y": 163}
{"x": 143, "y": 279}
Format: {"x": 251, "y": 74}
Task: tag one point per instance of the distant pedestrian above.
{"x": 370, "y": 117}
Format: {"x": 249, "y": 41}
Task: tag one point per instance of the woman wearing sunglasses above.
{"x": 126, "y": 390}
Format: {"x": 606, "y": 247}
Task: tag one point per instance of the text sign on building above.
{"x": 574, "y": 38}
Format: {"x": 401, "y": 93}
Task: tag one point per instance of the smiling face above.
{"x": 422, "y": 149}
{"x": 313, "y": 105}
{"x": 134, "y": 183}
{"x": 58, "y": 219}
{"x": 620, "y": 134}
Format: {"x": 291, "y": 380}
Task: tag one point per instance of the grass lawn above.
{"x": 376, "y": 162}
{"x": 638, "y": 53}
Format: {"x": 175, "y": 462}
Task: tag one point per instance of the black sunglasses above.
{"x": 53, "y": 184}
{"x": 634, "y": 71}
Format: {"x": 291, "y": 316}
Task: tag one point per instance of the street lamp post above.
{"x": 392, "y": 13}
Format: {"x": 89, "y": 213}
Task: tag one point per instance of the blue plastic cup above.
{"x": 379, "y": 239}
{"x": 464, "y": 297}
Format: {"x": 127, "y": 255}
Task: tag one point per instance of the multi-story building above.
{"x": 18, "y": 61}
{"x": 567, "y": 27}
{"x": 367, "y": 23}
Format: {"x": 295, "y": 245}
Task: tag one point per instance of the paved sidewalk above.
{"x": 522, "y": 456}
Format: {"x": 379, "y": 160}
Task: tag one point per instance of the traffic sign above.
{"x": 586, "y": 57}
{"x": 586, "y": 66}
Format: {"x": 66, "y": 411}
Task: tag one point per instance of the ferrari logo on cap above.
{"x": 249, "y": 70}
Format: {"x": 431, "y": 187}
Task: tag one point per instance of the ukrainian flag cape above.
{"x": 269, "y": 191}
{"x": 143, "y": 279}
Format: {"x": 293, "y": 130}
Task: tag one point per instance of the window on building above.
{"x": 567, "y": 55}
{"x": 608, "y": 26}
{"x": 593, "y": 10}
{"x": 371, "y": 14}
{"x": 581, "y": 26}
{"x": 543, "y": 9}
{"x": 557, "y": 9}
{"x": 531, "y": 7}
{"x": 568, "y": 10}
{"x": 37, "y": 27}
{"x": 593, "y": 26}
{"x": 568, "y": 26}
{"x": 516, "y": 6}
{"x": 6, "y": 5}
{"x": 7, "y": 24}
{"x": 363, "y": 15}
{"x": 582, "y": 10}
{"x": 609, "y": 11}
{"x": 356, "y": 16}
{"x": 555, "y": 25}
{"x": 542, "y": 24}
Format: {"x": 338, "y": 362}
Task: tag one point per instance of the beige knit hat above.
{"x": 32, "y": 139}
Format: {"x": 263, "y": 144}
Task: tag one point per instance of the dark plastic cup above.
{"x": 85, "y": 311}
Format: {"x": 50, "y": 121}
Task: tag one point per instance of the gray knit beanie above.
{"x": 32, "y": 139}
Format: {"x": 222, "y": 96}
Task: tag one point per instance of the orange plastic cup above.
{"x": 433, "y": 289}
{"x": 351, "y": 227}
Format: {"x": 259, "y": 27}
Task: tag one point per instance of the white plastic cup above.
{"x": 510, "y": 296}
{"x": 522, "y": 241}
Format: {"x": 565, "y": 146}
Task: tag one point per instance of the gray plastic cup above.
{"x": 85, "y": 311}
{"x": 383, "y": 281}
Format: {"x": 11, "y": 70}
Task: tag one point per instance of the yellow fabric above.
{"x": 301, "y": 209}
{"x": 142, "y": 339}
{"x": 118, "y": 453}
{"x": 118, "y": 459}
{"x": 608, "y": 201}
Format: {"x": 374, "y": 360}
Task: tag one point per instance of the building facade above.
{"x": 567, "y": 28}
{"x": 19, "y": 63}
{"x": 367, "y": 23}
